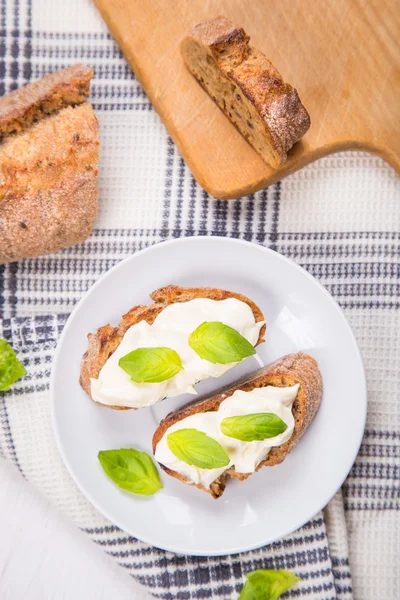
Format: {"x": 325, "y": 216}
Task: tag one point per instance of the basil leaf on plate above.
{"x": 253, "y": 427}
{"x": 267, "y": 584}
{"x": 219, "y": 344}
{"x": 131, "y": 470}
{"x": 151, "y": 365}
{"x": 198, "y": 449}
{"x": 10, "y": 367}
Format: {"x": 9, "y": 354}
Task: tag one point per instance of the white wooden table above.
{"x": 43, "y": 556}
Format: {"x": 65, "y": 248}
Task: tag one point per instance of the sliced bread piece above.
{"x": 247, "y": 88}
{"x": 48, "y": 165}
{"x": 288, "y": 371}
{"x": 103, "y": 343}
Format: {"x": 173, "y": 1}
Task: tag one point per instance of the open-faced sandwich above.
{"x": 253, "y": 423}
{"x": 163, "y": 350}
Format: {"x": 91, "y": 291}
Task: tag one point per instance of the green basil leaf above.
{"x": 10, "y": 367}
{"x": 131, "y": 470}
{"x": 151, "y": 365}
{"x": 253, "y": 427}
{"x": 198, "y": 449}
{"x": 219, "y": 343}
{"x": 267, "y": 584}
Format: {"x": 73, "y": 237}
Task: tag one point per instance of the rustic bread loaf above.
{"x": 106, "y": 340}
{"x": 48, "y": 165}
{"x": 289, "y": 370}
{"x": 247, "y": 87}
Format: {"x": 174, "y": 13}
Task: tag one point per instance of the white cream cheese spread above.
{"x": 245, "y": 456}
{"x": 171, "y": 329}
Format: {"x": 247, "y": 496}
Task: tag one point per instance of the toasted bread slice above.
{"x": 289, "y": 370}
{"x": 246, "y": 87}
{"x": 107, "y": 339}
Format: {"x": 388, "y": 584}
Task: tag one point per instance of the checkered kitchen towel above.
{"x": 338, "y": 218}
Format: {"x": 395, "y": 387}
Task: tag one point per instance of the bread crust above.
{"x": 287, "y": 371}
{"x": 49, "y": 154}
{"x": 48, "y": 184}
{"x": 107, "y": 339}
{"x": 283, "y": 116}
{"x": 23, "y": 107}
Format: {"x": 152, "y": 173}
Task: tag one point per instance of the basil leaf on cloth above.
{"x": 253, "y": 427}
{"x": 267, "y": 584}
{"x": 198, "y": 449}
{"x": 151, "y": 365}
{"x": 131, "y": 470}
{"x": 220, "y": 344}
{"x": 10, "y": 367}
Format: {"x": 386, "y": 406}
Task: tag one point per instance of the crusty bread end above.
{"x": 287, "y": 371}
{"x": 246, "y": 87}
{"x": 48, "y": 187}
{"x": 49, "y": 150}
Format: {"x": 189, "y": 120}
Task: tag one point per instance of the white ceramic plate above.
{"x": 300, "y": 315}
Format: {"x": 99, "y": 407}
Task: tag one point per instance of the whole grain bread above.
{"x": 246, "y": 87}
{"x": 33, "y": 102}
{"x": 107, "y": 338}
{"x": 48, "y": 165}
{"x": 287, "y": 371}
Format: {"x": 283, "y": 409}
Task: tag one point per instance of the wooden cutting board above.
{"x": 341, "y": 55}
